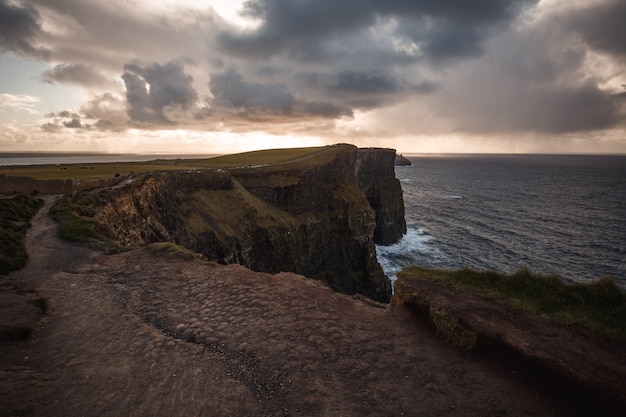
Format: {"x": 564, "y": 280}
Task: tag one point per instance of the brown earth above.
{"x": 141, "y": 334}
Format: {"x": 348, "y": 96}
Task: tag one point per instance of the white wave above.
{"x": 413, "y": 246}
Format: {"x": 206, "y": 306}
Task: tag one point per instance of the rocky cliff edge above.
{"x": 319, "y": 216}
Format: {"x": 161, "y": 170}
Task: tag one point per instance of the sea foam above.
{"x": 414, "y": 246}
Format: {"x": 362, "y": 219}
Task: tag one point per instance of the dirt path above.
{"x": 140, "y": 334}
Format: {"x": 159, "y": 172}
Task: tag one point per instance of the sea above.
{"x": 552, "y": 214}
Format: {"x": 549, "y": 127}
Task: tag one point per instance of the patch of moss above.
{"x": 171, "y": 249}
{"x": 75, "y": 215}
{"x": 15, "y": 215}
{"x": 449, "y": 327}
{"x": 599, "y": 305}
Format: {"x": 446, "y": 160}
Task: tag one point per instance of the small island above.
{"x": 401, "y": 161}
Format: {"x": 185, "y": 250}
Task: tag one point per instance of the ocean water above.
{"x": 563, "y": 215}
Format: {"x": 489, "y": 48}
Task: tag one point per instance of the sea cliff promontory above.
{"x": 319, "y": 215}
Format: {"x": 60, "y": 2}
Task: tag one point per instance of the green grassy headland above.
{"x": 599, "y": 305}
{"x": 15, "y": 215}
{"x": 75, "y": 213}
{"x": 108, "y": 170}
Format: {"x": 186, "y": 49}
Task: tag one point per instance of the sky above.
{"x": 420, "y": 76}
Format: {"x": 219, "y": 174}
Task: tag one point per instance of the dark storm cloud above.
{"x": 353, "y": 54}
{"x": 77, "y": 73}
{"x": 532, "y": 81}
{"x": 365, "y": 82}
{"x": 560, "y": 110}
{"x": 19, "y": 27}
{"x": 155, "y": 90}
{"x": 602, "y": 26}
{"x": 454, "y": 27}
{"x": 231, "y": 90}
{"x": 359, "y": 89}
{"x": 446, "y": 38}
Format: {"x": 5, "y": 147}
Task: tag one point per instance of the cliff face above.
{"x": 375, "y": 176}
{"x": 318, "y": 216}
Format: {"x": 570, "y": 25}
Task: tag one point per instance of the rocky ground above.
{"x": 145, "y": 334}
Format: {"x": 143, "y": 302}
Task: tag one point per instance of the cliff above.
{"x": 375, "y": 176}
{"x": 318, "y": 216}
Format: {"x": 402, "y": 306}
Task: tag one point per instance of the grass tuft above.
{"x": 449, "y": 327}
{"x": 599, "y": 305}
{"x": 171, "y": 249}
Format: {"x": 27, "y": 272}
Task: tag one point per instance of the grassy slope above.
{"x": 75, "y": 213}
{"x": 15, "y": 215}
{"x": 600, "y": 305}
{"x": 108, "y": 170}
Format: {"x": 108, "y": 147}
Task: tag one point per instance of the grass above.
{"x": 108, "y": 170}
{"x": 265, "y": 157}
{"x": 599, "y": 305}
{"x": 15, "y": 215}
{"x": 83, "y": 171}
{"x": 75, "y": 215}
{"x": 171, "y": 249}
{"x": 449, "y": 327}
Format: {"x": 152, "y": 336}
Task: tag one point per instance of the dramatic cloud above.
{"x": 109, "y": 111}
{"x": 254, "y": 100}
{"x": 156, "y": 92}
{"x": 535, "y": 79}
{"x": 81, "y": 74}
{"x": 366, "y": 71}
{"x": 20, "y": 24}
{"x": 602, "y": 26}
{"x": 304, "y": 29}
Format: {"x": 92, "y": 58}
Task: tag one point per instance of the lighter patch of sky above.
{"x": 228, "y": 10}
{"x": 187, "y": 141}
{"x": 22, "y": 77}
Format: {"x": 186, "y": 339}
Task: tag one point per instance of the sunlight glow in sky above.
{"x": 187, "y": 76}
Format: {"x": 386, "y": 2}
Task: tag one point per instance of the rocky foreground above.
{"x": 147, "y": 334}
